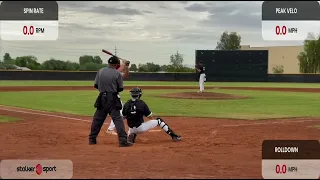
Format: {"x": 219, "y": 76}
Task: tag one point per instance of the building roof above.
{"x": 21, "y": 68}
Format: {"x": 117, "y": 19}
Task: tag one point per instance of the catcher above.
{"x": 134, "y": 111}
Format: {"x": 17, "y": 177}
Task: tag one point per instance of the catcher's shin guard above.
{"x": 166, "y": 128}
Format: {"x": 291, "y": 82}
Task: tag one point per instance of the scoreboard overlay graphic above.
{"x": 291, "y": 159}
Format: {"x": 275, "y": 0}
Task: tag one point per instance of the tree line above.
{"x": 88, "y": 63}
{"x": 309, "y": 59}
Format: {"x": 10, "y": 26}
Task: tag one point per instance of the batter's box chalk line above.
{"x": 43, "y": 113}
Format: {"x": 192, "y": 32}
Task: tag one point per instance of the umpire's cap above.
{"x": 114, "y": 60}
{"x": 136, "y": 92}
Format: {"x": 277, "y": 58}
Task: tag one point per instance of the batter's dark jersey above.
{"x": 134, "y": 111}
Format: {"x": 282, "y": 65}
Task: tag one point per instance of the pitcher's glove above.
{"x": 127, "y": 63}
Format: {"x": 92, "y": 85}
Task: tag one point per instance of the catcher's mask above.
{"x": 136, "y": 93}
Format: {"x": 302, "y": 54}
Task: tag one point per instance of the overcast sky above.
{"x": 145, "y": 31}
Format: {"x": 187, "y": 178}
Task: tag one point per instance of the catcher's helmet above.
{"x": 136, "y": 92}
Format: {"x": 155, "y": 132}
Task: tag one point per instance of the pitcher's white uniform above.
{"x": 202, "y": 77}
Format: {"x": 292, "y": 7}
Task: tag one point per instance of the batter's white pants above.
{"x": 202, "y": 79}
{"x": 111, "y": 125}
{"x": 146, "y": 126}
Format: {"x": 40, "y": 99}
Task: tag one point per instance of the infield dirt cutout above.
{"x": 211, "y": 147}
{"x": 204, "y": 95}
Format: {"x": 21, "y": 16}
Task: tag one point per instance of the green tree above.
{"x": 309, "y": 60}
{"x": 171, "y": 68}
{"x": 76, "y": 66}
{"x": 176, "y": 60}
{"x": 7, "y": 59}
{"x": 142, "y": 68}
{"x": 163, "y": 68}
{"x": 149, "y": 67}
{"x": 229, "y": 41}
{"x": 21, "y": 61}
{"x": 133, "y": 68}
{"x": 97, "y": 60}
{"x": 71, "y": 66}
{"x": 86, "y": 59}
{"x": 2, "y": 65}
{"x": 54, "y": 64}
{"x": 90, "y": 66}
{"x": 9, "y": 66}
{"x": 28, "y": 61}
{"x": 153, "y": 67}
{"x": 176, "y": 64}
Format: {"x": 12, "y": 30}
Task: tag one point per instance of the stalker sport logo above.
{"x": 38, "y": 169}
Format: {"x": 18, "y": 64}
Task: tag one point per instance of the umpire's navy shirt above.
{"x": 109, "y": 80}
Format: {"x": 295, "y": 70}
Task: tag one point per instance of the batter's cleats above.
{"x": 125, "y": 144}
{"x": 112, "y": 132}
{"x": 132, "y": 138}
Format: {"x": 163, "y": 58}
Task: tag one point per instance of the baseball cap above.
{"x": 114, "y": 60}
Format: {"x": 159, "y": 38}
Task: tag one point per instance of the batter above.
{"x": 134, "y": 110}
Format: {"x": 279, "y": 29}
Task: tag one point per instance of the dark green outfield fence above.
{"x": 83, "y": 76}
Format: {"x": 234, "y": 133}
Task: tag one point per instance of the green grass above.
{"x": 161, "y": 83}
{"x": 4, "y": 119}
{"x": 261, "y": 105}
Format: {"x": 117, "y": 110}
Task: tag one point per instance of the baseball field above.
{"x": 222, "y": 129}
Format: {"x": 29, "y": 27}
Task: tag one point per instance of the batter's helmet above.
{"x": 136, "y": 92}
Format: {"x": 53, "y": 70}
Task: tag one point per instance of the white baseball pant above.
{"x": 202, "y": 79}
{"x": 146, "y": 126}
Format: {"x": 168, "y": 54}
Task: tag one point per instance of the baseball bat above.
{"x": 107, "y": 52}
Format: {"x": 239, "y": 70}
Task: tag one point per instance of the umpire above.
{"x": 109, "y": 82}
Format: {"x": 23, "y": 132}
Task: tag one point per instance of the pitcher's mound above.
{"x": 204, "y": 95}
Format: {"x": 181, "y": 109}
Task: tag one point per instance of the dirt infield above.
{"x": 205, "y": 95}
{"x": 211, "y": 148}
{"x": 68, "y": 88}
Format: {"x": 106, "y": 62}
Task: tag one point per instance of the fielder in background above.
{"x": 134, "y": 111}
{"x": 124, "y": 70}
{"x": 202, "y": 78}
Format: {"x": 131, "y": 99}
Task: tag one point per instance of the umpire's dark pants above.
{"x": 107, "y": 106}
